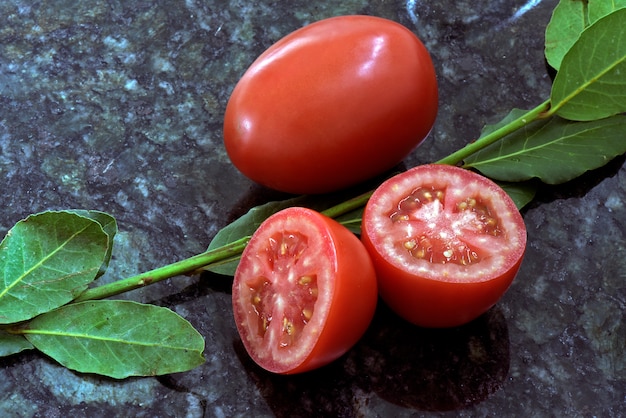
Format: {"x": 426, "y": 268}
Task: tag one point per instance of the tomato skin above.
{"x": 332, "y": 104}
{"x": 436, "y": 294}
{"x": 346, "y": 290}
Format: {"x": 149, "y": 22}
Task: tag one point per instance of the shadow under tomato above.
{"x": 415, "y": 368}
{"x": 325, "y": 392}
{"x": 434, "y": 369}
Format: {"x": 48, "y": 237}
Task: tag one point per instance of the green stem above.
{"x": 348, "y": 206}
{"x": 182, "y": 267}
{"x": 528, "y": 117}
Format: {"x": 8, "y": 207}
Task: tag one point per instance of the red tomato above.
{"x": 446, "y": 244}
{"x": 304, "y": 291}
{"x": 331, "y": 104}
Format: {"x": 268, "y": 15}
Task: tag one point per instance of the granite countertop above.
{"x": 117, "y": 106}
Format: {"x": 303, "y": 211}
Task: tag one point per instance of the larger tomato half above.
{"x": 304, "y": 291}
{"x": 446, "y": 244}
{"x": 332, "y": 104}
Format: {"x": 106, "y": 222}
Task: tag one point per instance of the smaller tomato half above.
{"x": 304, "y": 291}
{"x": 331, "y": 104}
{"x": 446, "y": 244}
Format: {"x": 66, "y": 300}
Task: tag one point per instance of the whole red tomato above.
{"x": 446, "y": 244}
{"x": 304, "y": 291}
{"x": 331, "y": 104}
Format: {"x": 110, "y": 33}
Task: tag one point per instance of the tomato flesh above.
{"x": 332, "y": 104}
{"x": 304, "y": 291}
{"x": 291, "y": 300}
{"x": 446, "y": 244}
{"x": 437, "y": 235}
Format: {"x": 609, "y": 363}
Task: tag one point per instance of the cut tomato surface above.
{"x": 304, "y": 291}
{"x": 446, "y": 243}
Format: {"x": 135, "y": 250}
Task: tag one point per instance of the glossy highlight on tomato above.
{"x": 304, "y": 291}
{"x": 332, "y": 104}
{"x": 446, "y": 244}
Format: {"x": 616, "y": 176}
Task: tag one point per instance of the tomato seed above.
{"x": 305, "y": 280}
{"x": 486, "y": 222}
{"x": 307, "y": 314}
{"x": 420, "y": 253}
{"x": 288, "y": 326}
{"x": 397, "y": 217}
{"x": 440, "y": 250}
{"x": 418, "y": 198}
{"x": 289, "y": 333}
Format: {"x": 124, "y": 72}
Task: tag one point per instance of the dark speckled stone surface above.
{"x": 117, "y": 106}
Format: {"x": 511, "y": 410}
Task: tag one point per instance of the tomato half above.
{"x": 332, "y": 104}
{"x": 446, "y": 244}
{"x": 304, "y": 291}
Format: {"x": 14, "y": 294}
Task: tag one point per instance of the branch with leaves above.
{"x": 49, "y": 260}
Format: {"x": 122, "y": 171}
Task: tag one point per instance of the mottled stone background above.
{"x": 118, "y": 106}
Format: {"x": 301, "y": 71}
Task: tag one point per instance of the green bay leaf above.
{"x": 13, "y": 343}
{"x": 522, "y": 193}
{"x": 554, "y": 150}
{"x": 109, "y": 226}
{"x": 569, "y": 19}
{"x": 117, "y": 339}
{"x": 601, "y": 8}
{"x": 591, "y": 81}
{"x": 46, "y": 260}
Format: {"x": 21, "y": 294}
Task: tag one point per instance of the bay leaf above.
{"x": 109, "y": 226}
{"x": 46, "y": 260}
{"x": 591, "y": 81}
{"x": 13, "y": 343}
{"x": 569, "y": 19}
{"x": 522, "y": 193}
{"x": 601, "y": 8}
{"x": 117, "y": 339}
{"x": 553, "y": 150}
